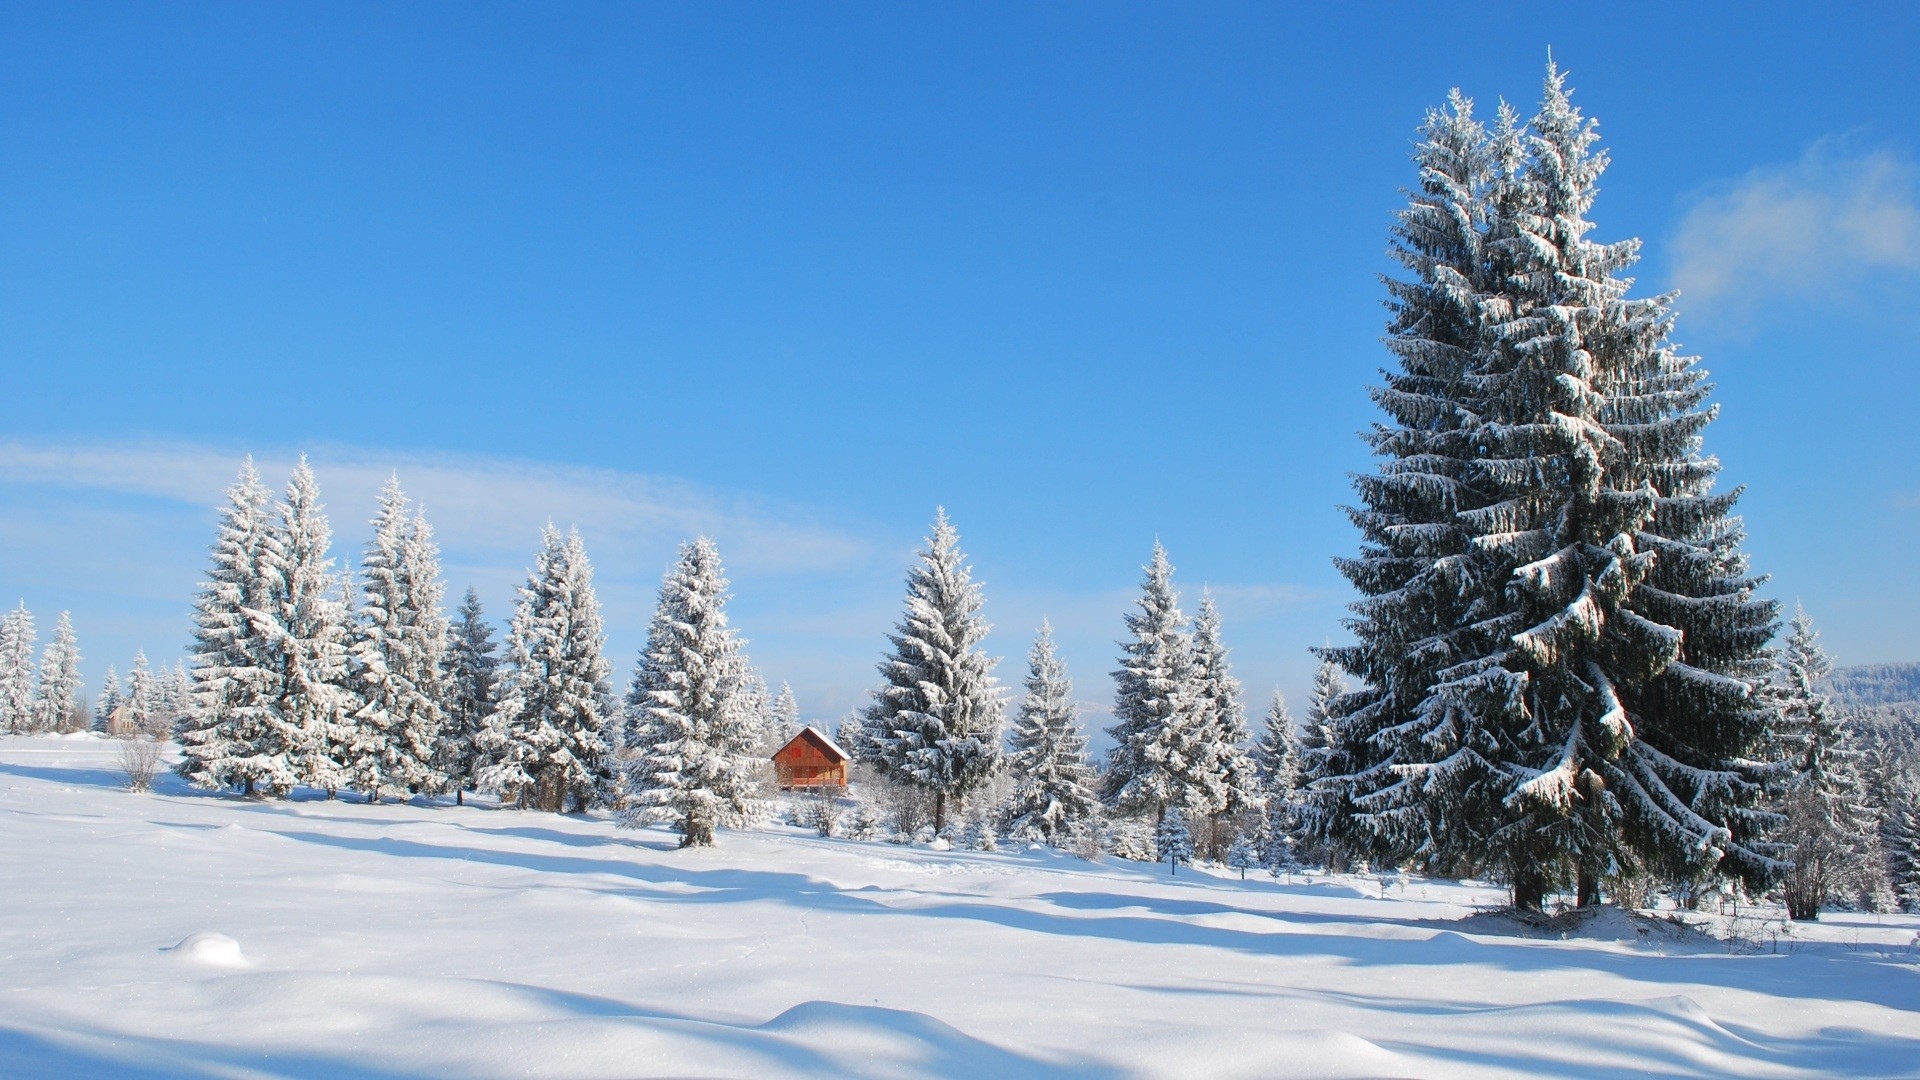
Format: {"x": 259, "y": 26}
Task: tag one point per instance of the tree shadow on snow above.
{"x": 28, "y": 1055}
{"x": 1164, "y": 922}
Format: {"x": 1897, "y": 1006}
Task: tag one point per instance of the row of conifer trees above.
{"x": 50, "y": 697}
{"x": 302, "y": 679}
{"x": 1562, "y": 672}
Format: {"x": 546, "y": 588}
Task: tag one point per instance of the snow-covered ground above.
{"x": 178, "y": 933}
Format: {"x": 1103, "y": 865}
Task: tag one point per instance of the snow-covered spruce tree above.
{"x": 110, "y": 697}
{"x": 16, "y": 670}
{"x": 233, "y": 735}
{"x": 783, "y": 719}
{"x": 1172, "y": 840}
{"x": 1052, "y": 778}
{"x": 1226, "y": 776}
{"x": 56, "y": 703}
{"x": 936, "y": 722}
{"x": 1831, "y": 835}
{"x": 470, "y": 667}
{"x": 1413, "y": 567}
{"x": 1415, "y": 570}
{"x": 305, "y": 623}
{"x": 140, "y": 696}
{"x": 1321, "y": 802}
{"x": 1276, "y": 753}
{"x": 1159, "y": 757}
{"x": 1276, "y": 764}
{"x": 399, "y": 641}
{"x": 1899, "y": 839}
{"x": 177, "y": 691}
{"x": 700, "y": 765}
{"x": 547, "y": 741}
{"x": 1593, "y": 703}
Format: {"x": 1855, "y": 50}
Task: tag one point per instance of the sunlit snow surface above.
{"x": 180, "y": 933}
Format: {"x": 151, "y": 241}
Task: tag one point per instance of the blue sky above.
{"x": 795, "y": 274}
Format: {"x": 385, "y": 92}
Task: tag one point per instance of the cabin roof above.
{"x": 818, "y": 738}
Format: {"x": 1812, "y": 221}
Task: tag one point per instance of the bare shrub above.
{"x": 825, "y": 811}
{"x": 139, "y": 760}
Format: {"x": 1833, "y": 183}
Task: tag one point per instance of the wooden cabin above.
{"x": 810, "y": 761}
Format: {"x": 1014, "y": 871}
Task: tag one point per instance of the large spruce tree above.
{"x": 230, "y": 735}
{"x": 471, "y": 665}
{"x": 399, "y": 641}
{"x": 935, "y": 723}
{"x": 1558, "y": 641}
{"x": 1832, "y": 836}
{"x": 547, "y": 741}
{"x": 306, "y": 628}
{"x": 16, "y": 670}
{"x": 57, "y": 700}
{"x": 1161, "y": 753}
{"x": 1052, "y": 778}
{"x": 698, "y": 767}
{"x": 1225, "y": 780}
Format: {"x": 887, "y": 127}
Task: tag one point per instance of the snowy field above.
{"x": 336, "y": 939}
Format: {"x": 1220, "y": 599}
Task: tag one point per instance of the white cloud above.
{"x": 1816, "y": 229}
{"x": 482, "y": 508}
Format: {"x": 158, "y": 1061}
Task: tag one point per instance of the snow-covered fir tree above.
{"x": 138, "y": 706}
{"x": 110, "y": 698}
{"x": 307, "y": 636}
{"x": 1053, "y": 782}
{"x": 471, "y": 665}
{"x": 56, "y": 703}
{"x": 1160, "y": 754}
{"x": 1830, "y": 833}
{"x": 399, "y": 641}
{"x": 547, "y": 742}
{"x": 175, "y": 692}
{"x": 1276, "y": 765}
{"x": 1243, "y": 853}
{"x": 16, "y": 670}
{"x": 1321, "y": 803}
{"x": 1899, "y": 839}
{"x": 1225, "y": 779}
{"x": 1172, "y": 840}
{"x": 936, "y": 722}
{"x": 1559, "y": 640}
{"x": 783, "y": 719}
{"x": 700, "y": 766}
{"x": 1415, "y": 562}
{"x": 1276, "y": 753}
{"x": 233, "y": 734}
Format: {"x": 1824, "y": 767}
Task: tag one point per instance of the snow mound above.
{"x": 1604, "y": 923}
{"x": 900, "y": 1042}
{"x": 210, "y": 949}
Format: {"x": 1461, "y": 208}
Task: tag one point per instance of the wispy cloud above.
{"x": 482, "y": 508}
{"x": 1816, "y": 229}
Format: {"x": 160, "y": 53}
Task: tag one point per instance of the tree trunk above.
{"x": 1587, "y": 893}
{"x": 1529, "y": 890}
{"x": 550, "y": 793}
{"x": 939, "y": 812}
{"x": 459, "y": 797}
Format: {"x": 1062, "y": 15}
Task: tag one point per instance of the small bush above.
{"x": 139, "y": 761}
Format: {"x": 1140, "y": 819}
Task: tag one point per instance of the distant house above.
{"x": 810, "y": 761}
